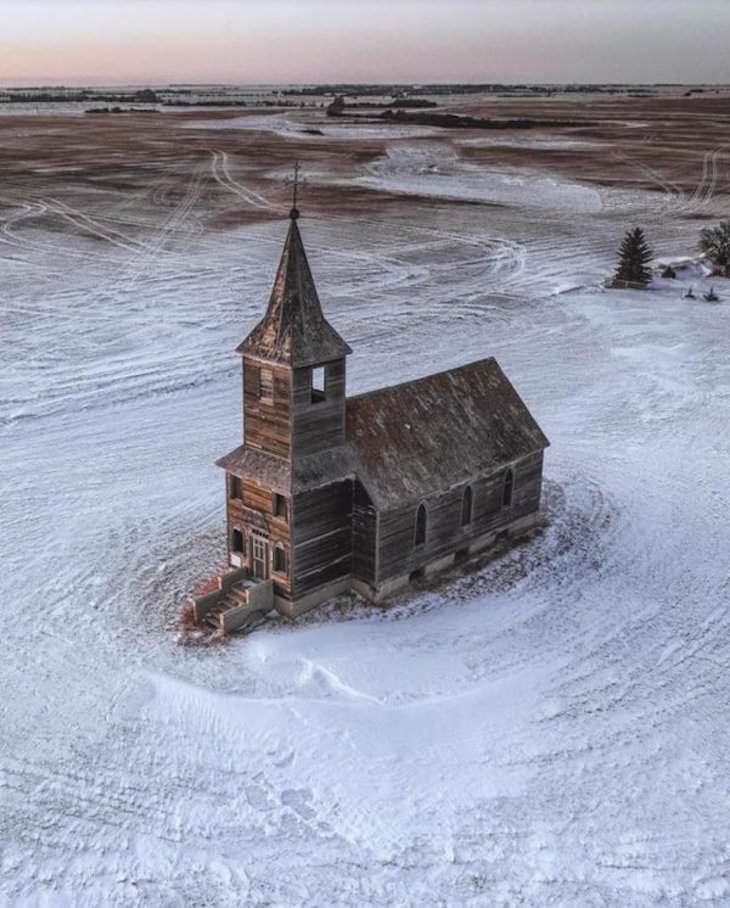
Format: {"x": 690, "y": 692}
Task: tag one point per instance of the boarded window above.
{"x": 507, "y": 487}
{"x": 420, "y": 538}
{"x": 234, "y": 487}
{"x": 466, "y": 507}
{"x": 280, "y": 565}
{"x": 280, "y": 507}
{"x": 237, "y": 541}
{"x": 319, "y": 384}
{"x": 266, "y": 384}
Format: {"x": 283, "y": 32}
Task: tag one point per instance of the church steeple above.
{"x": 294, "y": 330}
{"x": 294, "y": 365}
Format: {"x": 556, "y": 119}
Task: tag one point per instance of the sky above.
{"x": 145, "y": 41}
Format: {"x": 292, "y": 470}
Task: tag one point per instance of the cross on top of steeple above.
{"x": 294, "y": 213}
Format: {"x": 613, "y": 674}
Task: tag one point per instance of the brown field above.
{"x": 669, "y": 144}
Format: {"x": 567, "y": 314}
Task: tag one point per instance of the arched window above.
{"x": 466, "y": 507}
{"x": 237, "y": 541}
{"x": 507, "y": 485}
{"x": 421, "y": 525}
{"x": 280, "y": 560}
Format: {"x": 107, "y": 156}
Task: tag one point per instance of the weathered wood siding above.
{"x": 397, "y": 554}
{"x": 254, "y": 510}
{"x": 266, "y": 424}
{"x": 364, "y": 531}
{"x": 322, "y": 536}
{"x": 321, "y": 425}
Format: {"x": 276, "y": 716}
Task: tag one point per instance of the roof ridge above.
{"x": 424, "y": 378}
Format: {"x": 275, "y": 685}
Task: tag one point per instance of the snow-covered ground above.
{"x": 436, "y": 170}
{"x": 294, "y": 123}
{"x": 550, "y": 730}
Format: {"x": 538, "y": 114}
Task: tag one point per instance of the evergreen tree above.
{"x": 715, "y": 243}
{"x": 634, "y": 256}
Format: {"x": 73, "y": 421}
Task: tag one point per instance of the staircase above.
{"x": 240, "y": 604}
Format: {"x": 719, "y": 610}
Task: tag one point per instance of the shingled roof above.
{"x": 304, "y": 474}
{"x": 422, "y": 437}
{"x": 413, "y": 440}
{"x": 294, "y": 330}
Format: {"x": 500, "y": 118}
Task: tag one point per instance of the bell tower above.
{"x": 293, "y": 407}
{"x": 293, "y": 365}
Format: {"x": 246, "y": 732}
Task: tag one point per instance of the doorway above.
{"x": 260, "y": 557}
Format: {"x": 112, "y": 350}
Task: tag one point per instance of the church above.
{"x": 330, "y": 493}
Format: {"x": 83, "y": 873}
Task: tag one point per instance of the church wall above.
{"x": 322, "y": 536}
{"x": 253, "y": 513}
{"x": 266, "y": 423}
{"x": 364, "y": 534}
{"x": 397, "y": 553}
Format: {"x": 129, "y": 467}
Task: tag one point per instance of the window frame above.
{"x": 508, "y": 488}
{"x": 280, "y": 552}
{"x": 279, "y": 504}
{"x": 467, "y": 495}
{"x": 419, "y": 543}
{"x": 242, "y": 535}
{"x": 318, "y": 395}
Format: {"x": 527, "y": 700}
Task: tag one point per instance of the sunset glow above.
{"x": 325, "y": 40}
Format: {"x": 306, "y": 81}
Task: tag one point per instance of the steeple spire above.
{"x": 294, "y": 330}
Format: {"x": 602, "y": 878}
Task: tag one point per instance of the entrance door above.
{"x": 260, "y": 559}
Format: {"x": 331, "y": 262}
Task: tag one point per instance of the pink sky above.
{"x": 364, "y": 40}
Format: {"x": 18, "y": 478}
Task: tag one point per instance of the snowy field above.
{"x": 550, "y": 730}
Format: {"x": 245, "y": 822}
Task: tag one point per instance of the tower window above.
{"x": 507, "y": 487}
{"x": 280, "y": 565}
{"x": 319, "y": 384}
{"x": 280, "y": 507}
{"x": 421, "y": 519}
{"x": 266, "y": 385}
{"x": 237, "y": 541}
{"x": 234, "y": 487}
{"x": 466, "y": 507}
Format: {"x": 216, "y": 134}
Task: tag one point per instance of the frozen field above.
{"x": 550, "y": 730}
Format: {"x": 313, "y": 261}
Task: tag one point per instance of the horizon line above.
{"x": 415, "y": 83}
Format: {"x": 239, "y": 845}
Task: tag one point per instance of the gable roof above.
{"x": 413, "y": 440}
{"x": 294, "y": 330}
{"x": 422, "y": 437}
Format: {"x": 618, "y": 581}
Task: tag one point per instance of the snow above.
{"x": 512, "y": 140}
{"x": 295, "y": 124}
{"x": 551, "y": 729}
{"x": 435, "y": 170}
